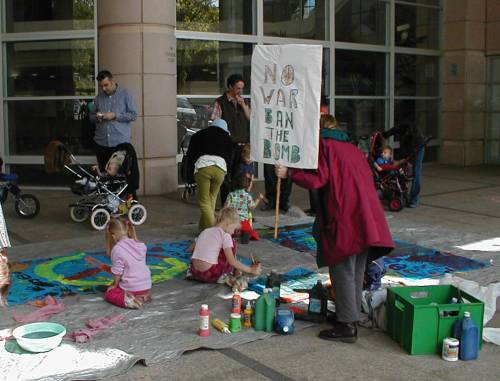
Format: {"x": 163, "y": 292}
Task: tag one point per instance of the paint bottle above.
{"x": 260, "y": 312}
{"x": 270, "y": 307}
{"x": 469, "y": 338}
{"x": 204, "y": 321}
{"x": 220, "y": 326}
{"x": 450, "y": 349}
{"x": 247, "y": 315}
{"x": 274, "y": 283}
{"x": 318, "y": 300}
{"x": 236, "y": 303}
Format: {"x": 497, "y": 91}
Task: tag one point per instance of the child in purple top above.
{"x": 131, "y": 276}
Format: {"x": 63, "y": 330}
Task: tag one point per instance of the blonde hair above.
{"x": 329, "y": 122}
{"x": 228, "y": 215}
{"x": 119, "y": 226}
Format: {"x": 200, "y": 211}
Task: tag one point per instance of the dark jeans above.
{"x": 271, "y": 182}
{"x": 232, "y": 168}
{"x": 313, "y": 200}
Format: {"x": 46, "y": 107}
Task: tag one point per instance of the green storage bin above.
{"x": 420, "y": 327}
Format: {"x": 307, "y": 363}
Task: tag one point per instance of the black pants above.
{"x": 232, "y": 169}
{"x": 271, "y": 182}
{"x": 313, "y": 200}
{"x": 103, "y": 154}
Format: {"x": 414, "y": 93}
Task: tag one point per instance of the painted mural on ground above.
{"x": 90, "y": 272}
{"x": 407, "y": 260}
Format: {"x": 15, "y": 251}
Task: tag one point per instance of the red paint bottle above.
{"x": 236, "y": 303}
{"x": 204, "y": 321}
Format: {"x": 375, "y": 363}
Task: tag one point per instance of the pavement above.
{"x": 458, "y": 206}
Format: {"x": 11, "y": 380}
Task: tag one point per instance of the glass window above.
{"x": 361, "y": 21}
{"x": 32, "y": 124}
{"x": 423, "y": 2}
{"x": 421, "y": 111}
{"x": 193, "y": 114}
{"x": 417, "y": 27}
{"x": 296, "y": 18}
{"x": 204, "y": 66}
{"x": 48, "y": 15}
{"x": 416, "y": 75}
{"x": 360, "y": 117}
{"x": 226, "y": 16}
{"x": 44, "y": 68}
{"x": 359, "y": 73}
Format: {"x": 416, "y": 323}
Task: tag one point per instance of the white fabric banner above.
{"x": 286, "y": 91}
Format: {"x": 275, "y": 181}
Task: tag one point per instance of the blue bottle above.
{"x": 467, "y": 331}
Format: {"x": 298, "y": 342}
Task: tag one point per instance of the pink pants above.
{"x": 116, "y": 296}
{"x": 213, "y": 273}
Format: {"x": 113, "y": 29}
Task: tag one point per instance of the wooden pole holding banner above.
{"x": 277, "y": 211}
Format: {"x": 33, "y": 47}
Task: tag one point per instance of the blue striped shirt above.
{"x": 110, "y": 133}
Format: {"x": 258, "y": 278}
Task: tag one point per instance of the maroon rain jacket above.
{"x": 353, "y": 219}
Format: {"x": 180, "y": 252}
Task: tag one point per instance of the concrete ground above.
{"x": 459, "y": 206}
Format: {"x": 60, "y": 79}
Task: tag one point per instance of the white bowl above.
{"x": 39, "y": 337}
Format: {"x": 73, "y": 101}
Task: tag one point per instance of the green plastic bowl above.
{"x": 39, "y": 337}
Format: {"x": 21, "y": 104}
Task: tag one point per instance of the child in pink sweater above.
{"x": 131, "y": 276}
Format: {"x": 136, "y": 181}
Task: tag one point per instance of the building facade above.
{"x": 384, "y": 61}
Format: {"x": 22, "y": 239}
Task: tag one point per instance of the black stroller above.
{"x": 103, "y": 194}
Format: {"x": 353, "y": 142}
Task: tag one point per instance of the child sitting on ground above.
{"x": 386, "y": 159}
{"x": 214, "y": 256}
{"x": 131, "y": 276}
{"x": 241, "y": 200}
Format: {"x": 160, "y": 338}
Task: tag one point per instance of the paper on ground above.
{"x": 485, "y": 245}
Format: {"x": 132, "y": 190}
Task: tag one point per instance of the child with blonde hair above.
{"x": 131, "y": 276}
{"x": 214, "y": 254}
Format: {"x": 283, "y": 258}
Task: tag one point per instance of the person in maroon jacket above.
{"x": 350, "y": 226}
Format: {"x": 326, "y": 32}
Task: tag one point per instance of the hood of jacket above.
{"x": 135, "y": 249}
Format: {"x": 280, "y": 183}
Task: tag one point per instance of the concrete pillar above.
{"x": 464, "y": 82}
{"x": 137, "y": 44}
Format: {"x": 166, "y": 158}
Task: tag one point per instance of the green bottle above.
{"x": 260, "y": 312}
{"x": 270, "y": 307}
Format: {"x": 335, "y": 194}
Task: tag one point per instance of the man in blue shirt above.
{"x": 114, "y": 110}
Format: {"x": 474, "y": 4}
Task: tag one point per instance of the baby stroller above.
{"x": 102, "y": 195}
{"x": 393, "y": 183}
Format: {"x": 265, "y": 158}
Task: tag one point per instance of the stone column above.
{"x": 137, "y": 44}
{"x": 464, "y": 82}
{"x": 493, "y": 49}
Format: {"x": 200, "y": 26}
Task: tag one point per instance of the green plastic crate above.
{"x": 420, "y": 327}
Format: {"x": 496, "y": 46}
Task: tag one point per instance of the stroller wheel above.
{"x": 27, "y": 206}
{"x": 99, "y": 218}
{"x": 137, "y": 214}
{"x": 79, "y": 213}
{"x": 395, "y": 204}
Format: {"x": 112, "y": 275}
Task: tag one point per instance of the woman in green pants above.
{"x": 208, "y": 156}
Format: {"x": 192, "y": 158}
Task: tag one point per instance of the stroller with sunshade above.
{"x": 102, "y": 194}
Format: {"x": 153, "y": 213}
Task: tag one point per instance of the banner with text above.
{"x": 286, "y": 91}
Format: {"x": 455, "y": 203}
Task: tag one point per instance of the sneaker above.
{"x": 132, "y": 302}
{"x": 412, "y": 205}
{"x": 223, "y": 278}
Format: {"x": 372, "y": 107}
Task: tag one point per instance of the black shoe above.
{"x": 345, "y": 332}
{"x": 331, "y": 318}
{"x": 285, "y": 207}
{"x": 267, "y": 207}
